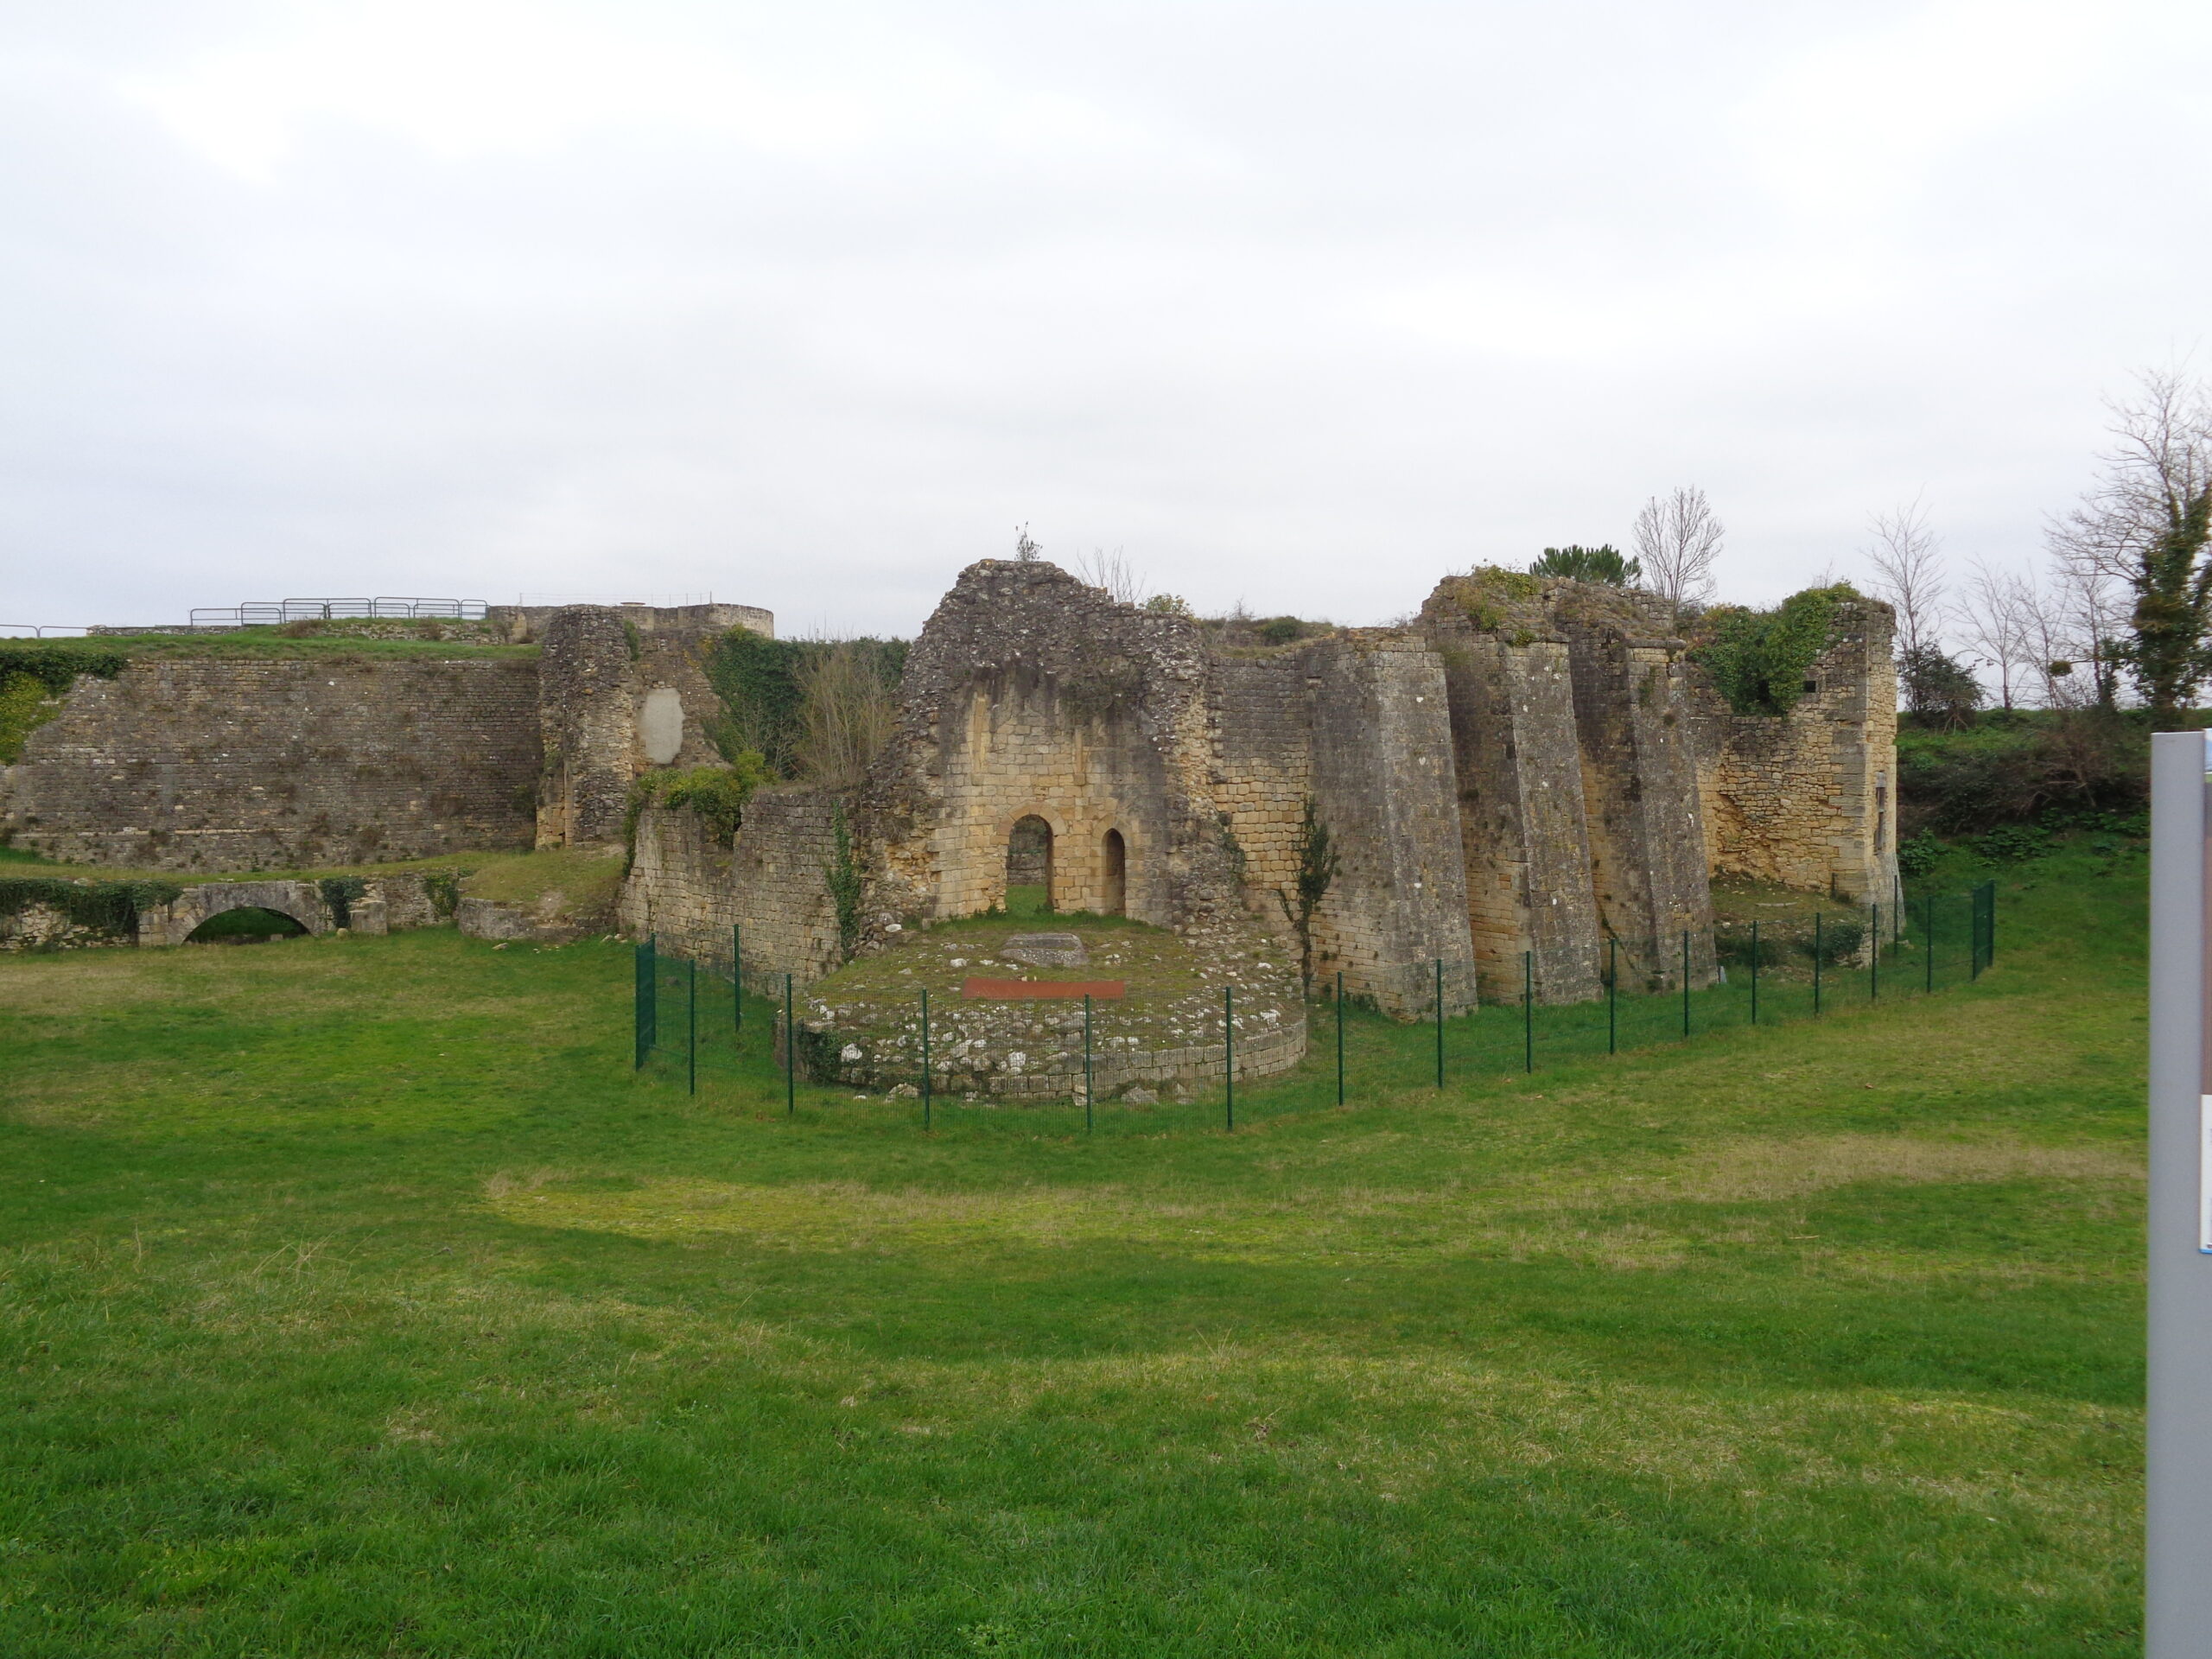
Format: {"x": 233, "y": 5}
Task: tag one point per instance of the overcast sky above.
{"x": 808, "y": 305}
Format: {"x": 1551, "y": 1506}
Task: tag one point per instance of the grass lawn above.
{"x": 355, "y": 1297}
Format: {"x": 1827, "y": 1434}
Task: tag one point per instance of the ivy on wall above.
{"x": 1759, "y": 658}
{"x": 844, "y": 876}
{"x": 34, "y": 675}
{"x": 106, "y": 907}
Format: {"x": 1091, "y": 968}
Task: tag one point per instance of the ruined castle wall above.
{"x": 1021, "y": 751}
{"x": 199, "y": 764}
{"x": 1031, "y": 694}
{"x": 1263, "y": 770}
{"x": 1809, "y": 800}
{"x": 1383, "y": 780}
{"x": 588, "y": 715}
{"x": 1647, "y": 834}
{"x": 524, "y": 625}
{"x": 773, "y": 882}
{"x": 1524, "y": 841}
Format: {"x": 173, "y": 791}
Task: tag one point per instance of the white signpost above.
{"x": 2177, "y": 1622}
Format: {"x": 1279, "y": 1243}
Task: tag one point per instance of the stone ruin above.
{"x": 1529, "y": 779}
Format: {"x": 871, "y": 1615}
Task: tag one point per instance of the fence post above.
{"x": 1817, "y": 948}
{"x": 1440, "y": 1022}
{"x": 691, "y": 1026}
{"x": 791, "y": 1054}
{"x": 638, "y": 1006}
{"x": 1755, "y": 970}
{"x": 1340, "y": 1036}
{"x": 1528, "y": 1011}
{"x": 926, "y": 1059}
{"x": 1931, "y": 946}
{"x": 1685, "y": 984}
{"x": 1985, "y": 912}
{"x": 1086, "y": 1062}
{"x": 1228, "y": 1058}
{"x": 737, "y": 977}
{"x": 1612, "y": 995}
{"x": 1874, "y": 959}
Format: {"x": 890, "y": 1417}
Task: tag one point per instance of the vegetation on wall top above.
{"x": 1604, "y": 564}
{"x": 110, "y": 908}
{"x": 716, "y": 794}
{"x": 1759, "y": 658}
{"x": 811, "y": 709}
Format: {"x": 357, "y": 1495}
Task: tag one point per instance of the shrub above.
{"x": 1602, "y": 564}
{"x": 1839, "y": 939}
{"x": 764, "y": 686}
{"x": 2014, "y": 842}
{"x": 2088, "y": 767}
{"x": 1919, "y": 855}
{"x": 339, "y": 893}
{"x": 1732, "y": 945}
{"x": 1937, "y": 687}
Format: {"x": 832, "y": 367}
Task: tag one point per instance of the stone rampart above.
{"x": 233, "y": 763}
{"x": 773, "y": 882}
{"x": 1384, "y": 783}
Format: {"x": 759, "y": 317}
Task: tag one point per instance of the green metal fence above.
{"x": 697, "y": 1026}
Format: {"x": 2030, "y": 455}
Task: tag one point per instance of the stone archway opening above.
{"x": 245, "y": 924}
{"x": 1029, "y": 867}
{"x": 1113, "y": 898}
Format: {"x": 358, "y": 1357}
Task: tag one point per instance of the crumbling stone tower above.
{"x": 1172, "y": 777}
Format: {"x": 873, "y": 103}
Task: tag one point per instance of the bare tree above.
{"x": 1025, "y": 548}
{"x": 1994, "y": 618}
{"x": 1112, "y": 572}
{"x": 847, "y": 712}
{"x": 1677, "y": 541}
{"x": 1908, "y": 562}
{"x": 2091, "y": 606}
{"x": 2146, "y": 524}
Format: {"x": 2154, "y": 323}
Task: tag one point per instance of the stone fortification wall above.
{"x": 1640, "y": 793}
{"x": 773, "y": 882}
{"x": 199, "y": 764}
{"x": 1582, "y": 828}
{"x": 1384, "y": 783}
{"x": 525, "y": 624}
{"x": 1524, "y": 838}
{"x": 1808, "y": 798}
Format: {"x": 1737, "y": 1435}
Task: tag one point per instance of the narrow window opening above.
{"x": 1116, "y": 896}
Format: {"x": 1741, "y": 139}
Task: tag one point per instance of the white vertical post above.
{"x": 2177, "y": 1613}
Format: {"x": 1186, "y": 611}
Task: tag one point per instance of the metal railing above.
{"x": 265, "y": 613}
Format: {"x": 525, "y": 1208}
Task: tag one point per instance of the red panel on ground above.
{"x": 1039, "y": 990}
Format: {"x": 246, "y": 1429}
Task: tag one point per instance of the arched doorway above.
{"x": 244, "y": 925}
{"x": 1115, "y": 899}
{"x": 1029, "y": 867}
